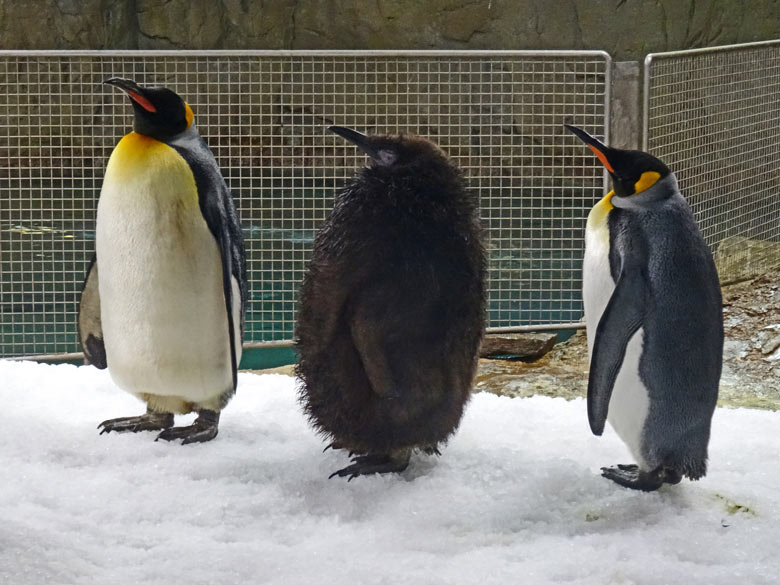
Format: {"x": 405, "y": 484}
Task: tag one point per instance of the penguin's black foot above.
{"x": 632, "y": 477}
{"x": 375, "y": 463}
{"x": 151, "y": 421}
{"x": 203, "y": 429}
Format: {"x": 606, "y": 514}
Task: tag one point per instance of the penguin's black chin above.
{"x": 621, "y": 187}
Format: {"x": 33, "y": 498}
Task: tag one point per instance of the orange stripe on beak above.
{"x": 602, "y": 158}
{"x": 141, "y": 101}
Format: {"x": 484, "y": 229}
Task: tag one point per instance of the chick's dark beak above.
{"x": 600, "y": 149}
{"x": 356, "y": 138}
{"x": 134, "y": 91}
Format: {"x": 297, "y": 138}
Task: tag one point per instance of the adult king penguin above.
{"x": 391, "y": 310}
{"x": 166, "y": 312}
{"x": 654, "y": 321}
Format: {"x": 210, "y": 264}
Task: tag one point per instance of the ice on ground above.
{"x": 515, "y": 498}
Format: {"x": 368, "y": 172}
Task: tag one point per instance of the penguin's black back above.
{"x": 391, "y": 311}
{"x": 683, "y": 330}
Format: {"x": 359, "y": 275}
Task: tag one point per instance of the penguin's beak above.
{"x": 134, "y": 91}
{"x": 356, "y": 138}
{"x": 600, "y": 149}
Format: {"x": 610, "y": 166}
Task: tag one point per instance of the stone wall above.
{"x": 627, "y": 29}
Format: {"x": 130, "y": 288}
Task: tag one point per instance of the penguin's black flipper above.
{"x": 620, "y": 320}
{"x": 89, "y": 323}
{"x": 389, "y": 349}
{"x": 367, "y": 336}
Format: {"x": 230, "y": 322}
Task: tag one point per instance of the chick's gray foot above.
{"x": 375, "y": 463}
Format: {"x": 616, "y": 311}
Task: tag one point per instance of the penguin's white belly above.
{"x": 597, "y": 283}
{"x": 162, "y": 305}
{"x": 628, "y": 405}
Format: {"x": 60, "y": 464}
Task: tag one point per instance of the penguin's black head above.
{"x": 395, "y": 152}
{"x": 159, "y": 112}
{"x": 632, "y": 171}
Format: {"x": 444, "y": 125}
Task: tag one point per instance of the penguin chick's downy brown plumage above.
{"x": 391, "y": 311}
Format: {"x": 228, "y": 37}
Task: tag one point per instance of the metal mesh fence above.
{"x": 265, "y": 115}
{"x": 713, "y": 115}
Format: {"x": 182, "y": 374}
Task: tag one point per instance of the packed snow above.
{"x": 516, "y": 497}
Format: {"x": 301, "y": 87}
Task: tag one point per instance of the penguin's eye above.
{"x": 386, "y": 157}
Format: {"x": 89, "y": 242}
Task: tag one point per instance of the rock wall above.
{"x": 627, "y": 29}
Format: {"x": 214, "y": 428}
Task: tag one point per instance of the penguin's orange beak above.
{"x": 599, "y": 148}
{"x": 133, "y": 91}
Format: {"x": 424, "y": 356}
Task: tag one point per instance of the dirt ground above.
{"x": 751, "y": 365}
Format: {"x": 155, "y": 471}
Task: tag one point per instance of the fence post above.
{"x": 625, "y": 123}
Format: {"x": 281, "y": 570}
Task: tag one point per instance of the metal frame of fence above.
{"x": 499, "y": 115}
{"x": 713, "y": 116}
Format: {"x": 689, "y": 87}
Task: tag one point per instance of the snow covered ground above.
{"x": 516, "y": 498}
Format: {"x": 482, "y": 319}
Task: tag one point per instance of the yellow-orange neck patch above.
{"x": 598, "y": 215}
{"x": 647, "y": 180}
{"x": 188, "y": 115}
{"x": 141, "y": 165}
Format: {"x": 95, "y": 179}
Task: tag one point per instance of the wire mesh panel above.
{"x": 265, "y": 116}
{"x": 713, "y": 116}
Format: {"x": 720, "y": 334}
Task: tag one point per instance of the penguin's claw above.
{"x": 335, "y": 445}
{"x": 205, "y": 428}
{"x": 151, "y": 421}
{"x": 630, "y": 476}
{"x": 374, "y": 463}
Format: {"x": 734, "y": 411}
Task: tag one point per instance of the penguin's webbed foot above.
{"x": 632, "y": 477}
{"x": 151, "y": 421}
{"x": 375, "y": 463}
{"x": 205, "y": 428}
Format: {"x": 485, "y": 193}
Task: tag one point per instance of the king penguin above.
{"x": 653, "y": 313}
{"x": 165, "y": 313}
{"x": 391, "y": 309}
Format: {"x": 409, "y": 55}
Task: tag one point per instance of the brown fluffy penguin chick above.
{"x": 392, "y": 308}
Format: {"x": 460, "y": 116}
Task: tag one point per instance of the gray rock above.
{"x": 771, "y": 343}
{"x": 525, "y": 346}
{"x": 735, "y": 349}
{"x": 774, "y": 356}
